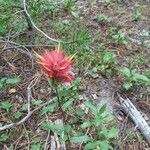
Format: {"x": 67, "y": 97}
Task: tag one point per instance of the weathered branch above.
{"x": 136, "y": 117}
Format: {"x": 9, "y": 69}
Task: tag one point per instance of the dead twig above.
{"x": 136, "y": 117}
{"x": 23, "y": 49}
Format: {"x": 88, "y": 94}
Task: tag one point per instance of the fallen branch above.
{"x": 33, "y": 25}
{"x": 136, "y": 117}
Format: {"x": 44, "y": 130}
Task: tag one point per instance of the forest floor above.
{"x": 94, "y": 28}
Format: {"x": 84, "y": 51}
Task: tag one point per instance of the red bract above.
{"x": 57, "y": 66}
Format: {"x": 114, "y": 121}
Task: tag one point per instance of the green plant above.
{"x": 8, "y": 81}
{"x": 6, "y": 105}
{"x": 3, "y": 137}
{"x": 80, "y": 40}
{"x": 132, "y": 76}
{"x": 107, "y": 2}
{"x": 36, "y": 144}
{"x": 137, "y": 13}
{"x": 69, "y": 5}
{"x": 108, "y": 63}
{"x": 118, "y": 36}
{"x": 102, "y": 18}
{"x": 103, "y": 134}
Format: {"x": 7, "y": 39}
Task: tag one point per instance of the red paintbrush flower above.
{"x": 57, "y": 66}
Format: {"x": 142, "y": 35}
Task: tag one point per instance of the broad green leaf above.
{"x": 80, "y": 139}
{"x": 36, "y": 102}
{"x": 75, "y": 14}
{"x": 91, "y": 145}
{"x": 109, "y": 57}
{"x": 127, "y": 85}
{"x": 25, "y": 107}
{"x": 102, "y": 109}
{"x": 54, "y": 127}
{"x": 86, "y": 125}
{"x": 104, "y": 145}
{"x": 113, "y": 133}
{"x": 103, "y": 131}
{"x": 141, "y": 77}
{"x": 68, "y": 128}
{"x": 13, "y": 80}
{"x": 126, "y": 72}
{"x": 6, "y": 105}
{"x": 36, "y": 146}
{"x": 49, "y": 109}
{"x": 80, "y": 112}
{"x": 2, "y": 82}
{"x": 17, "y": 115}
{"x": 97, "y": 120}
{"x": 91, "y": 106}
{"x": 3, "y": 137}
{"x": 67, "y": 104}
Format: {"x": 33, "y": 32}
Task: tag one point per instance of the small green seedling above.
{"x": 132, "y": 76}
{"x": 109, "y": 61}
{"x": 8, "y": 81}
{"x": 102, "y": 18}
{"x": 118, "y": 36}
{"x": 3, "y": 137}
{"x": 137, "y": 13}
{"x": 6, "y": 105}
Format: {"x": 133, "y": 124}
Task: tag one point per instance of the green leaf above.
{"x": 36, "y": 102}
{"x": 68, "y": 128}
{"x": 113, "y": 133}
{"x": 67, "y": 104}
{"x": 80, "y": 139}
{"x": 91, "y": 106}
{"x": 104, "y": 145}
{"x": 24, "y": 107}
{"x": 17, "y": 115}
{"x": 102, "y": 109}
{"x": 2, "y": 82}
{"x": 36, "y": 146}
{"x": 91, "y": 145}
{"x": 13, "y": 80}
{"x": 127, "y": 85}
{"x": 86, "y": 125}
{"x": 126, "y": 72}
{"x": 109, "y": 57}
{"x": 97, "y": 120}
{"x": 104, "y": 131}
{"x": 54, "y": 127}
{"x": 75, "y": 14}
{"x": 3, "y": 137}
{"x": 6, "y": 105}
{"x": 141, "y": 77}
{"x": 49, "y": 109}
{"x": 80, "y": 112}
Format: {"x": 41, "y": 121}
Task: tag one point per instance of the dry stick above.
{"x": 39, "y": 30}
{"x": 27, "y": 52}
{"x": 136, "y": 117}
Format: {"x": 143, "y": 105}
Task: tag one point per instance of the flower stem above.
{"x": 59, "y": 101}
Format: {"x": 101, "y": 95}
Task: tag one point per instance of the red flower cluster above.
{"x": 57, "y": 66}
